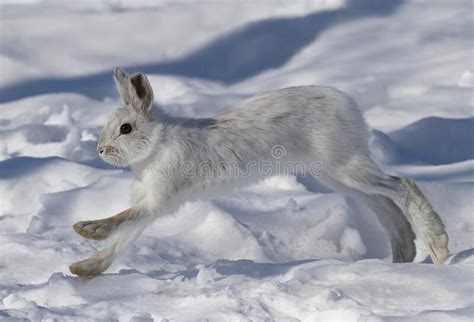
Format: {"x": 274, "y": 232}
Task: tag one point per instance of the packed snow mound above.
{"x": 47, "y": 125}
{"x": 305, "y": 290}
{"x": 285, "y": 248}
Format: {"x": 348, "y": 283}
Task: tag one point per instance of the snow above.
{"x": 283, "y": 249}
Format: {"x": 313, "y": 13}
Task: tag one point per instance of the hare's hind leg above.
{"x": 396, "y": 225}
{"x": 390, "y": 216}
{"x": 432, "y": 228}
{"x": 362, "y": 174}
{"x": 102, "y": 228}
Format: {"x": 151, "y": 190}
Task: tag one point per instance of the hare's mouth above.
{"x": 115, "y": 161}
{"x": 112, "y": 158}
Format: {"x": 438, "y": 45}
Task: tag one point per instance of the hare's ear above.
{"x": 122, "y": 83}
{"x": 135, "y": 90}
{"x": 141, "y": 93}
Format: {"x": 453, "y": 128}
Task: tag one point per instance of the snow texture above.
{"x": 282, "y": 249}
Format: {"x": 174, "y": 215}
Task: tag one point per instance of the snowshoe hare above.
{"x": 175, "y": 160}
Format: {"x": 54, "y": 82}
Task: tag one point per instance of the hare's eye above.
{"x": 125, "y": 128}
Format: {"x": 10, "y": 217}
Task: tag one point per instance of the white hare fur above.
{"x": 311, "y": 123}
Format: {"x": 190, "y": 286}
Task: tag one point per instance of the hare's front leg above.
{"x": 121, "y": 231}
{"x": 102, "y": 228}
{"x": 124, "y": 232}
{"x": 99, "y": 230}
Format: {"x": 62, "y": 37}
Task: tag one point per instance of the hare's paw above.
{"x": 91, "y": 266}
{"x": 438, "y": 246}
{"x": 94, "y": 229}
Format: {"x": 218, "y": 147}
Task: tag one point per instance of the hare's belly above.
{"x": 211, "y": 187}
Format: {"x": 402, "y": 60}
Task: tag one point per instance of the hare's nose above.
{"x": 101, "y": 149}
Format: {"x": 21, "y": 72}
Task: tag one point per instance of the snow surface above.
{"x": 278, "y": 250}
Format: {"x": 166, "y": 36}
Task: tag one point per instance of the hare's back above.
{"x": 302, "y": 101}
{"x": 303, "y": 108}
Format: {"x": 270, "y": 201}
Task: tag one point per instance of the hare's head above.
{"x": 129, "y": 135}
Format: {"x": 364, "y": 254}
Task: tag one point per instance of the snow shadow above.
{"x": 243, "y": 53}
{"x": 22, "y": 166}
{"x": 432, "y": 140}
{"x": 436, "y": 140}
{"x": 255, "y": 270}
{"x": 463, "y": 256}
{"x": 225, "y": 267}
